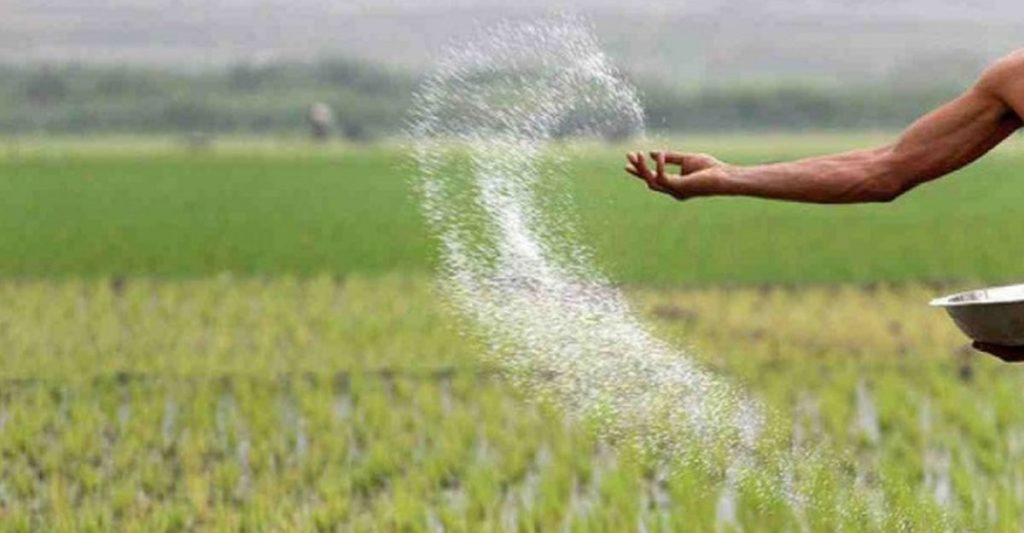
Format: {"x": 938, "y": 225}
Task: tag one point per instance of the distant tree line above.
{"x": 369, "y": 102}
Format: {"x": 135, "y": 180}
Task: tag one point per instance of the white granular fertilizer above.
{"x": 481, "y": 129}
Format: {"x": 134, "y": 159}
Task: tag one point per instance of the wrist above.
{"x": 729, "y": 180}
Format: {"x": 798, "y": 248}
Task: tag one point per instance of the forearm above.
{"x": 861, "y": 176}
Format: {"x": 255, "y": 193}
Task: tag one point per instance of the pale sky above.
{"x": 800, "y": 37}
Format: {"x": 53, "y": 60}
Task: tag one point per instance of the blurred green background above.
{"x": 212, "y": 319}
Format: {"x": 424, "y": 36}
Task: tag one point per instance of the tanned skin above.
{"x": 943, "y": 141}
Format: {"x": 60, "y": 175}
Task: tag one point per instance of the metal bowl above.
{"x": 994, "y": 315}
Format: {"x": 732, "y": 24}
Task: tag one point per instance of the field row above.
{"x": 325, "y": 403}
{"x": 464, "y": 452}
{"x": 247, "y": 326}
{"x": 284, "y": 454}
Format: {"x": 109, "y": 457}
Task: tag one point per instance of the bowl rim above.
{"x": 950, "y": 300}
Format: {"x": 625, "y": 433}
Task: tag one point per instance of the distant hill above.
{"x": 686, "y": 42}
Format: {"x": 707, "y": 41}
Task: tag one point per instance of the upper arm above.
{"x": 1004, "y": 80}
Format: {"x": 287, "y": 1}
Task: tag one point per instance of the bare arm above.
{"x": 941, "y": 142}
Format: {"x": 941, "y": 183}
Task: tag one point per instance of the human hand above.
{"x": 698, "y": 175}
{"x": 1009, "y": 354}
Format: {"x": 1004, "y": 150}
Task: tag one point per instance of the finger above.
{"x": 636, "y": 172}
{"x": 659, "y": 160}
{"x": 633, "y": 167}
{"x": 633, "y": 162}
{"x": 650, "y": 177}
{"x": 641, "y": 166}
{"x": 638, "y": 159}
{"x": 675, "y": 158}
{"x": 646, "y": 180}
{"x": 661, "y": 177}
{"x": 685, "y": 161}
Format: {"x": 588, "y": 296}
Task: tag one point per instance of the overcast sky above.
{"x": 858, "y": 37}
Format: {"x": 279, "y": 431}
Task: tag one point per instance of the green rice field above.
{"x": 250, "y": 338}
{"x": 268, "y": 209}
